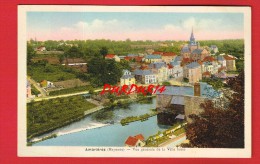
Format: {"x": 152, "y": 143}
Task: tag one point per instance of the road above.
{"x": 65, "y": 95}
{"x": 174, "y": 141}
{"x": 34, "y": 83}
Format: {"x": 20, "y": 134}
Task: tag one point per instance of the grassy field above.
{"x": 50, "y": 72}
{"x": 48, "y": 115}
{"x": 70, "y": 90}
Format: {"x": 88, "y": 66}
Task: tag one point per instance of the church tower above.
{"x": 192, "y": 38}
{"x": 193, "y": 44}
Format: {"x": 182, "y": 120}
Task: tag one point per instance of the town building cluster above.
{"x": 192, "y": 64}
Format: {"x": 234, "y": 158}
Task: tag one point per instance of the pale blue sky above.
{"x": 109, "y": 25}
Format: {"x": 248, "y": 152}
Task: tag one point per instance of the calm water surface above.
{"x": 110, "y": 135}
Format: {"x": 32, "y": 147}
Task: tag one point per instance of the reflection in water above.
{"x": 112, "y": 135}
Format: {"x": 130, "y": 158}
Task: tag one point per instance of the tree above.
{"x": 104, "y": 71}
{"x": 103, "y": 51}
{"x": 30, "y": 54}
{"x": 73, "y": 52}
{"x": 61, "y": 58}
{"x": 220, "y": 127}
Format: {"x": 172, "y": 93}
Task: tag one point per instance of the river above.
{"x": 88, "y": 132}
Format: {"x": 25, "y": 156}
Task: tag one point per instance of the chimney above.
{"x": 197, "y": 89}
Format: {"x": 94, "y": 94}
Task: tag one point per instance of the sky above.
{"x": 133, "y": 26}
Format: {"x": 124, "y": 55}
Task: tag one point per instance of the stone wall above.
{"x": 163, "y": 101}
{"x": 192, "y": 105}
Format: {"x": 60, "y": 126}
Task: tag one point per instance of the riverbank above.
{"x": 85, "y": 123}
{"x": 56, "y": 133}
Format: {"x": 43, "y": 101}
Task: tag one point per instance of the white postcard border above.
{"x": 80, "y": 151}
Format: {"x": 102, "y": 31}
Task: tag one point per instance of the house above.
{"x": 157, "y": 53}
{"x": 41, "y": 48}
{"x": 153, "y": 58}
{"x": 206, "y": 74}
{"x": 122, "y": 57}
{"x": 210, "y": 66}
{"x": 160, "y": 68}
{"x": 185, "y": 51}
{"x": 112, "y": 56}
{"x": 136, "y": 141}
{"x": 230, "y": 62}
{"x": 168, "y": 57}
{"x": 192, "y": 71}
{"x": 145, "y": 76}
{"x": 213, "y": 48}
{"x": 199, "y": 54}
{"x": 222, "y": 61}
{"x": 46, "y": 84}
{"x": 134, "y": 58}
{"x": 127, "y": 78}
{"x": 74, "y": 62}
{"x": 177, "y": 71}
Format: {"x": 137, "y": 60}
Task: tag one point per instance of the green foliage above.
{"x": 166, "y": 83}
{"x": 70, "y": 90}
{"x": 222, "y": 126}
{"x": 30, "y": 54}
{"x": 232, "y": 47}
{"x": 61, "y": 57}
{"x": 186, "y": 80}
{"x": 103, "y": 51}
{"x": 103, "y": 115}
{"x": 104, "y": 71}
{"x": 216, "y": 83}
{"x": 73, "y": 52}
{"x": 41, "y": 70}
{"x": 45, "y": 116}
{"x": 34, "y": 90}
{"x": 144, "y": 117}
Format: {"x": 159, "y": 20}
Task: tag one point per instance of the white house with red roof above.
{"x": 136, "y": 141}
{"x": 41, "y": 48}
{"x": 112, "y": 56}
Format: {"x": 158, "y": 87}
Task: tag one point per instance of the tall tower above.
{"x": 193, "y": 43}
{"x": 192, "y": 38}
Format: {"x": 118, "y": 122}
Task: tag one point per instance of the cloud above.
{"x": 120, "y": 30}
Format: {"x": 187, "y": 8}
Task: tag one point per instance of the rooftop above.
{"x": 193, "y": 65}
{"x": 206, "y": 91}
{"x": 110, "y": 56}
{"x": 197, "y": 51}
{"x": 153, "y": 56}
{"x": 143, "y": 72}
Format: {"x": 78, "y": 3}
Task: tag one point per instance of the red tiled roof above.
{"x": 170, "y": 66}
{"x": 127, "y": 58}
{"x": 228, "y": 57}
{"x": 200, "y": 62}
{"x": 206, "y": 73}
{"x": 140, "y": 137}
{"x": 209, "y": 58}
{"x": 186, "y": 60}
{"x": 221, "y": 69}
{"x": 131, "y": 141}
{"x": 110, "y": 56}
{"x": 143, "y": 67}
{"x": 138, "y": 58}
{"x": 157, "y": 53}
{"x": 168, "y": 54}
